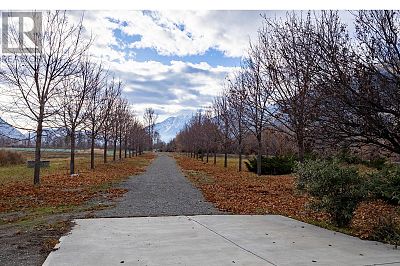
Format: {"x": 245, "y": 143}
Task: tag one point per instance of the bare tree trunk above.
{"x": 240, "y": 161}
{"x": 226, "y": 159}
{"x": 105, "y": 149}
{"x": 39, "y": 132}
{"x": 207, "y": 155}
{"x": 72, "y": 158}
{"x": 240, "y": 155}
{"x": 92, "y": 152}
{"x": 120, "y": 144}
{"x": 259, "y": 154}
{"x": 215, "y": 157}
{"x": 115, "y": 149}
{"x": 226, "y": 146}
{"x": 300, "y": 144}
{"x": 126, "y": 147}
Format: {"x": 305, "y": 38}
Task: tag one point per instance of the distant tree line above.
{"x": 307, "y": 84}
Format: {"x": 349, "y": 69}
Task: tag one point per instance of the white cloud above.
{"x": 192, "y": 32}
{"x": 175, "y": 87}
{"x": 179, "y": 85}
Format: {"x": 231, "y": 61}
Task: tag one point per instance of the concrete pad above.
{"x": 214, "y": 240}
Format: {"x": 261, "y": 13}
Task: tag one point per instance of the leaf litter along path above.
{"x": 176, "y": 237}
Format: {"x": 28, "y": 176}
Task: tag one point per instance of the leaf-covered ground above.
{"x": 63, "y": 190}
{"x": 246, "y": 193}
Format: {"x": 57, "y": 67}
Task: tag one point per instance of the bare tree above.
{"x": 123, "y": 120}
{"x": 101, "y": 102}
{"x": 150, "y": 118}
{"x": 114, "y": 125}
{"x": 35, "y": 79}
{"x": 140, "y": 136}
{"x": 289, "y": 58}
{"x": 209, "y": 128}
{"x": 75, "y": 101}
{"x": 376, "y": 104}
{"x": 129, "y": 123}
{"x": 133, "y": 134}
{"x": 258, "y": 91}
{"x": 223, "y": 120}
{"x": 112, "y": 94}
{"x": 116, "y": 122}
{"x": 236, "y": 96}
{"x": 360, "y": 79}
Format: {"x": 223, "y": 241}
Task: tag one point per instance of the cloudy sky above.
{"x": 173, "y": 61}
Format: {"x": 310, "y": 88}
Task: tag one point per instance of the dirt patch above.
{"x": 29, "y": 243}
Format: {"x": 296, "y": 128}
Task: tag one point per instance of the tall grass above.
{"x": 8, "y": 157}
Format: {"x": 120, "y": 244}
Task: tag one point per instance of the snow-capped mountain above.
{"x": 171, "y": 126}
{"x": 8, "y": 131}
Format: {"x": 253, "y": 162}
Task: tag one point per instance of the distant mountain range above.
{"x": 8, "y": 131}
{"x": 171, "y": 126}
{"x": 167, "y": 129}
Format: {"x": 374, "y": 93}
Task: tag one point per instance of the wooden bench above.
{"x": 43, "y": 164}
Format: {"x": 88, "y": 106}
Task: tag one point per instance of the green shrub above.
{"x": 278, "y": 165}
{"x": 387, "y": 231}
{"x": 335, "y": 189}
{"x": 385, "y": 184}
{"x": 10, "y": 158}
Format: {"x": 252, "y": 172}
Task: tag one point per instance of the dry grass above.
{"x": 9, "y": 157}
{"x": 59, "y": 164}
{"x": 59, "y": 189}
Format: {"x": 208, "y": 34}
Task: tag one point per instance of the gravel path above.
{"x": 162, "y": 190}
